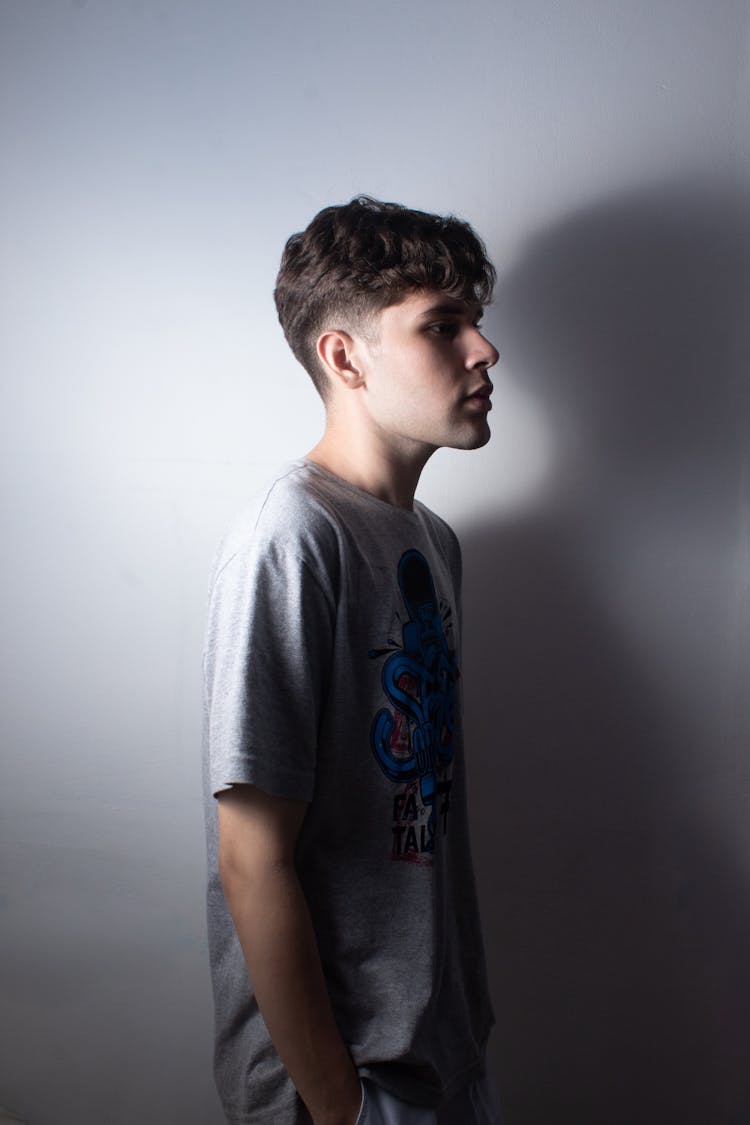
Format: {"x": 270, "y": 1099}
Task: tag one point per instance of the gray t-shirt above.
{"x": 332, "y": 676}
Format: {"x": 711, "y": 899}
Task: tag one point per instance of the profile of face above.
{"x": 422, "y": 369}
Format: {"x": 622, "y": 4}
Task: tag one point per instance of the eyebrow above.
{"x": 454, "y": 308}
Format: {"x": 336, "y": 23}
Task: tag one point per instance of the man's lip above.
{"x": 480, "y": 400}
{"x": 484, "y": 391}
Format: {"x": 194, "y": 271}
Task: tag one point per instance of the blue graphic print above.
{"x": 413, "y": 742}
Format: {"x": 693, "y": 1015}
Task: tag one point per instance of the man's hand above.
{"x": 257, "y": 836}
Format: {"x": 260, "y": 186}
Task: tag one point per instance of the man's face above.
{"x": 426, "y": 380}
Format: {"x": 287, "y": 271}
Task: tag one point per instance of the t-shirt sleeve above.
{"x": 266, "y": 667}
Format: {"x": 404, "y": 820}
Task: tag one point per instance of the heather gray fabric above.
{"x": 331, "y": 676}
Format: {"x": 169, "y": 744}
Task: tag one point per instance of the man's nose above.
{"x": 484, "y": 354}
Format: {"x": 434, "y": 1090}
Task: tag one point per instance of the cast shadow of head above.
{"x": 605, "y": 708}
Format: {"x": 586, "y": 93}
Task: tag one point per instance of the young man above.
{"x": 345, "y": 941}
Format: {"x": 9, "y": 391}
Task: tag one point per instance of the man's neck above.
{"x": 389, "y": 474}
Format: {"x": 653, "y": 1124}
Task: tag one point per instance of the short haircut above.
{"x": 356, "y": 259}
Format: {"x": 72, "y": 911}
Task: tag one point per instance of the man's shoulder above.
{"x": 439, "y": 527}
{"x": 292, "y": 500}
{"x": 290, "y": 515}
{"x": 440, "y": 524}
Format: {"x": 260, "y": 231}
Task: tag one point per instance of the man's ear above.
{"x": 339, "y": 354}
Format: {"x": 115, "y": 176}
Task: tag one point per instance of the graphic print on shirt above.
{"x": 413, "y": 739}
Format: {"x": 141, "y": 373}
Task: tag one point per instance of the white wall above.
{"x": 156, "y": 156}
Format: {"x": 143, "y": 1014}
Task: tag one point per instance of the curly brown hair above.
{"x": 356, "y": 259}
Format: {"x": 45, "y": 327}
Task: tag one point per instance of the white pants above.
{"x": 477, "y": 1104}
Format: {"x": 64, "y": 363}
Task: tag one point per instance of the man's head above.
{"x": 357, "y": 259}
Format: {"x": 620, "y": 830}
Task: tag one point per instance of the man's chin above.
{"x": 474, "y": 440}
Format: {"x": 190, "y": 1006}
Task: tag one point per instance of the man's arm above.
{"x": 257, "y": 836}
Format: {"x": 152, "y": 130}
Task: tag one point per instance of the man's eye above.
{"x": 443, "y": 328}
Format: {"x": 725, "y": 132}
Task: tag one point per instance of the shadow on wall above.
{"x": 606, "y": 699}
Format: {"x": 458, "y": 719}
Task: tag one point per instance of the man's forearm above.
{"x": 273, "y": 923}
